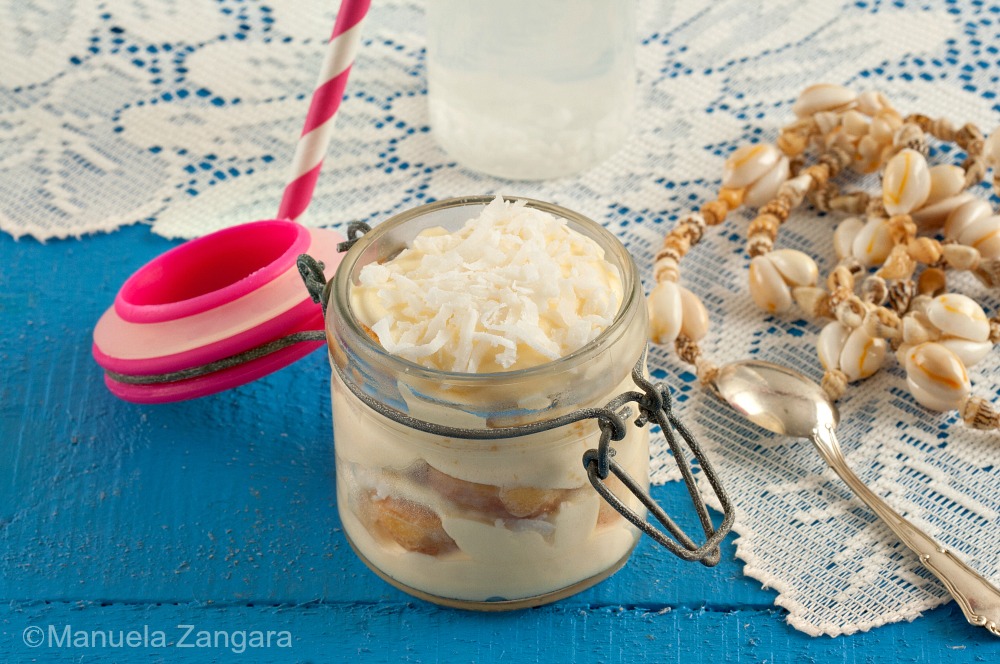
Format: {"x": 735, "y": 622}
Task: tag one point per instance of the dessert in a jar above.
{"x": 453, "y": 328}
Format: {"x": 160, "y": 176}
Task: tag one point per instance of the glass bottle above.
{"x": 531, "y": 89}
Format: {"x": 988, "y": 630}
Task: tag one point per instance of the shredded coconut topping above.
{"x": 513, "y": 288}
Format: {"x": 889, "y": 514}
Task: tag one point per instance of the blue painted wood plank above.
{"x": 229, "y": 497}
{"x": 222, "y": 511}
{"x": 416, "y": 632}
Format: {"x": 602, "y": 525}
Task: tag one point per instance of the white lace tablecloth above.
{"x": 184, "y": 115}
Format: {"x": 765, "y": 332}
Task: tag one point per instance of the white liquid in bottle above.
{"x": 531, "y": 89}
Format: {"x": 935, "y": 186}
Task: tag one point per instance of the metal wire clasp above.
{"x": 311, "y": 270}
{"x": 655, "y": 405}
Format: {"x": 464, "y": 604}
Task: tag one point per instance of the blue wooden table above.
{"x": 213, "y": 522}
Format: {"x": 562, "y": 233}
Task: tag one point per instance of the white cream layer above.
{"x": 513, "y": 288}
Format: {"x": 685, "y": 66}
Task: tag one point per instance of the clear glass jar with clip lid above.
{"x": 477, "y": 490}
{"x": 481, "y": 489}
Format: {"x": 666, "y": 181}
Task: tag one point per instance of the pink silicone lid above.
{"x": 208, "y": 299}
{"x": 210, "y": 271}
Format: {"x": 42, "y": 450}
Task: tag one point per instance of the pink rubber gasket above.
{"x": 278, "y": 306}
{"x": 210, "y": 271}
{"x": 273, "y": 309}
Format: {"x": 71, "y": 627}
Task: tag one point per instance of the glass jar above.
{"x": 486, "y": 524}
{"x": 525, "y": 89}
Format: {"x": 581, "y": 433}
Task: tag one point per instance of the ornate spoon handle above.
{"x": 977, "y": 597}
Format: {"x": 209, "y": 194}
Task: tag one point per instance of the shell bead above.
{"x": 796, "y": 267}
{"x": 767, "y": 287}
{"x": 775, "y": 274}
{"x": 871, "y": 102}
{"x": 873, "y": 243}
{"x": 932, "y": 282}
{"x": 960, "y": 257}
{"x": 795, "y": 189}
{"x": 851, "y": 311}
{"x": 932, "y": 215}
{"x": 827, "y": 121}
{"x": 959, "y": 316}
{"x": 936, "y": 377}
{"x": 883, "y": 323}
{"x": 906, "y": 182}
{"x": 765, "y": 188}
{"x": 917, "y": 329}
{"x": 855, "y": 123}
{"x": 947, "y": 183}
{"x": 925, "y": 250}
{"x": 963, "y": 215}
{"x": 919, "y": 303}
{"x": 862, "y": 355}
{"x": 898, "y": 268}
{"x": 874, "y": 289}
{"x": 854, "y": 352}
{"x": 983, "y": 235}
{"x": 978, "y": 413}
{"x": 909, "y": 135}
{"x": 969, "y": 352}
{"x": 843, "y": 237}
{"x": 665, "y": 311}
{"x": 749, "y": 164}
{"x": 869, "y": 151}
{"x": 947, "y": 180}
{"x": 830, "y": 343}
{"x": 694, "y": 316}
{"x": 823, "y": 97}
{"x": 812, "y": 300}
{"x": 666, "y": 269}
{"x": 884, "y": 127}
{"x": 991, "y": 150}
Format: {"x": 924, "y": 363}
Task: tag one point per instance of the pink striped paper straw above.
{"x": 315, "y": 138}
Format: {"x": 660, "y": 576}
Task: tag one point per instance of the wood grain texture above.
{"x": 221, "y": 512}
{"x": 391, "y": 631}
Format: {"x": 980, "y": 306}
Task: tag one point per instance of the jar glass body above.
{"x": 525, "y": 89}
{"x": 483, "y": 524}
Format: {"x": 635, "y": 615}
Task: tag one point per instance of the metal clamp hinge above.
{"x": 655, "y": 405}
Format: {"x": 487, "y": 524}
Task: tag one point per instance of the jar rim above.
{"x": 340, "y": 294}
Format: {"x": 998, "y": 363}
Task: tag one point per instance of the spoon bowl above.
{"x": 776, "y": 398}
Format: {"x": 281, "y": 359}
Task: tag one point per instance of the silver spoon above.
{"x": 788, "y": 403}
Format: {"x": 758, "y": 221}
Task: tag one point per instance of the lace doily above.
{"x": 184, "y": 115}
